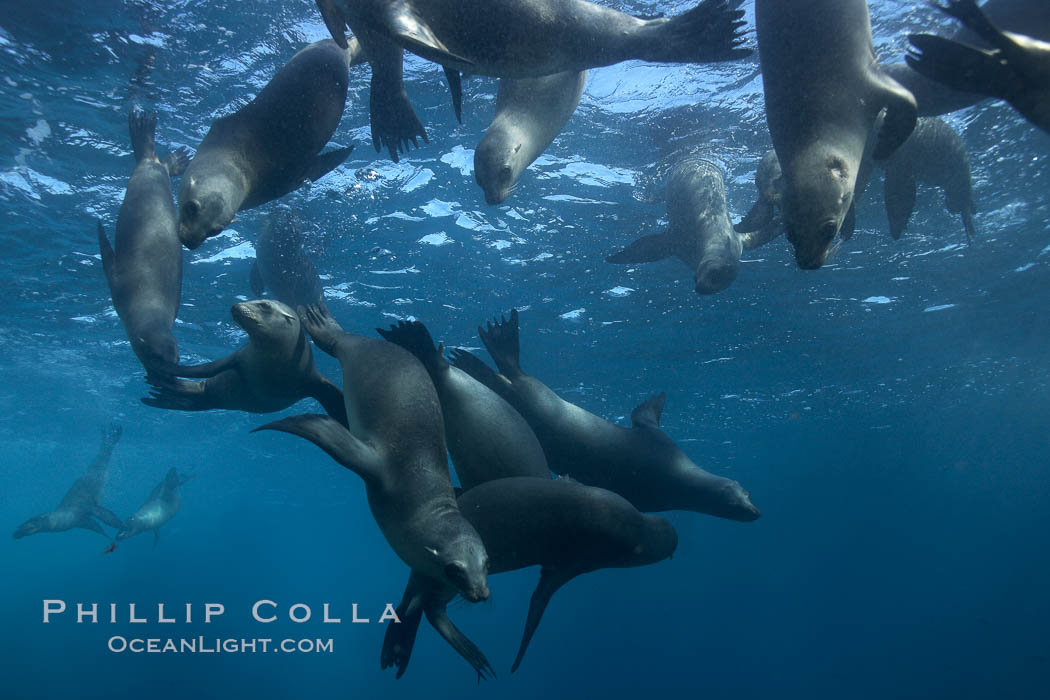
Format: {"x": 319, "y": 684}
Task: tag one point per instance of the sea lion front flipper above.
{"x": 331, "y": 399}
{"x": 356, "y": 52}
{"x": 177, "y": 162}
{"x": 88, "y": 524}
{"x": 761, "y": 215}
{"x": 142, "y": 127}
{"x": 156, "y": 536}
{"x": 899, "y": 195}
{"x": 968, "y": 225}
{"x": 108, "y": 256}
{"x": 321, "y": 326}
{"x": 208, "y": 369}
{"x": 756, "y": 239}
{"x": 401, "y": 638}
{"x": 471, "y": 364}
{"x": 107, "y": 516}
{"x": 960, "y": 67}
{"x": 439, "y": 620}
{"x": 410, "y": 31}
{"x": 550, "y": 582}
{"x": 849, "y": 222}
{"x": 324, "y": 163}
{"x": 328, "y": 434}
{"x": 335, "y": 20}
{"x": 646, "y": 249}
{"x": 255, "y": 279}
{"x": 647, "y": 414}
{"x": 902, "y": 113}
{"x": 455, "y": 86}
{"x": 501, "y": 340}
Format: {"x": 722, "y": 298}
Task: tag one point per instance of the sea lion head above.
{"x": 456, "y": 554}
{"x": 818, "y": 191}
{"x": 498, "y": 162}
{"x": 734, "y": 503}
{"x": 131, "y": 526}
{"x": 715, "y": 273}
{"x": 206, "y": 207}
{"x": 32, "y": 526}
{"x": 267, "y": 321}
{"x": 658, "y": 541}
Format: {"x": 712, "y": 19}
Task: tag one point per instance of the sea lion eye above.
{"x": 505, "y": 173}
{"x": 191, "y": 209}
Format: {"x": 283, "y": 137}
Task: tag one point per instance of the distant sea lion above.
{"x": 640, "y": 463}
{"x": 395, "y": 442}
{"x": 486, "y": 437}
{"x": 530, "y": 112}
{"x": 144, "y": 271}
{"x": 1029, "y": 17}
{"x": 699, "y": 233}
{"x": 823, "y": 92}
{"x": 270, "y": 146}
{"x": 161, "y": 506}
{"x": 272, "y": 372}
{"x": 282, "y": 266}
{"x": 1016, "y": 69}
{"x": 80, "y": 505}
{"x": 564, "y": 527}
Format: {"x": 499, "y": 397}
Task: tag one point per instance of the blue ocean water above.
{"x": 889, "y": 413}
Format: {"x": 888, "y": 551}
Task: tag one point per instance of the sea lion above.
{"x": 144, "y": 266}
{"x": 395, "y": 442}
{"x": 1030, "y": 17}
{"x": 640, "y": 463}
{"x": 161, "y": 506}
{"x": 486, "y": 437}
{"x": 763, "y": 222}
{"x": 1015, "y": 69}
{"x": 699, "y": 234}
{"x": 823, "y": 91}
{"x": 564, "y": 527}
{"x": 530, "y": 112}
{"x": 282, "y": 266}
{"x": 270, "y": 146}
{"x": 272, "y": 372}
{"x": 80, "y": 506}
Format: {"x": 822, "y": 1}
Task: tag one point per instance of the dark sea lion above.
{"x": 823, "y": 92}
{"x": 282, "y": 266}
{"x": 80, "y": 506}
{"x": 640, "y": 463}
{"x": 563, "y": 526}
{"x": 161, "y": 506}
{"x": 1029, "y": 17}
{"x": 699, "y": 234}
{"x": 395, "y": 442}
{"x": 486, "y": 437}
{"x": 272, "y": 372}
{"x": 530, "y": 112}
{"x": 270, "y": 146}
{"x": 144, "y": 266}
{"x": 1015, "y": 69}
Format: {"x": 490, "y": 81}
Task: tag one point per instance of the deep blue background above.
{"x": 898, "y": 451}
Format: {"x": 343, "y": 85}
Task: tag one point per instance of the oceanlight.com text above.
{"x": 216, "y": 645}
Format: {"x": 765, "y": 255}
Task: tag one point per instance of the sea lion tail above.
{"x": 414, "y": 337}
{"x": 142, "y": 126}
{"x": 501, "y": 340}
{"x": 711, "y": 31}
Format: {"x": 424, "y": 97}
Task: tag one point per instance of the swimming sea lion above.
{"x": 396, "y": 443}
{"x": 1016, "y": 69}
{"x": 80, "y": 505}
{"x": 763, "y": 222}
{"x": 529, "y": 114}
{"x": 486, "y": 437}
{"x": 144, "y": 266}
{"x": 823, "y": 92}
{"x": 272, "y": 372}
{"x": 282, "y": 266}
{"x": 564, "y": 527}
{"x": 699, "y": 233}
{"x": 640, "y": 463}
{"x": 270, "y": 146}
{"x": 161, "y": 506}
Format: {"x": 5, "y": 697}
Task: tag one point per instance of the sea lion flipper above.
{"x": 176, "y": 394}
{"x": 959, "y": 66}
{"x": 156, "y": 536}
{"x": 761, "y": 215}
{"x": 321, "y": 326}
{"x": 902, "y": 113}
{"x": 89, "y": 524}
{"x": 203, "y": 371}
{"x": 455, "y": 86}
{"x": 501, "y": 340}
{"x": 478, "y": 370}
{"x": 410, "y": 31}
{"x": 328, "y": 434}
{"x": 107, "y": 516}
{"x": 968, "y": 225}
{"x": 335, "y": 20}
{"x": 324, "y": 163}
{"x": 647, "y": 414}
{"x": 711, "y": 31}
{"x": 757, "y": 239}
{"x": 646, "y": 249}
{"x": 550, "y": 582}
{"x": 108, "y": 256}
{"x": 331, "y": 399}
{"x": 177, "y": 161}
{"x": 414, "y": 337}
{"x": 356, "y": 52}
{"x": 255, "y": 279}
{"x": 899, "y": 195}
{"x": 401, "y": 638}
{"x": 849, "y": 222}
{"x": 439, "y": 620}
{"x": 142, "y": 127}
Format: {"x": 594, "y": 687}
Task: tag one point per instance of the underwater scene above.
{"x": 647, "y": 348}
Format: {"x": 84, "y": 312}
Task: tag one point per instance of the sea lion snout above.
{"x": 812, "y": 253}
{"x": 738, "y": 503}
{"x": 715, "y": 275}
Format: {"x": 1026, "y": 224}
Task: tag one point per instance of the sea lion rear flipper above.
{"x": 331, "y": 399}
{"x": 899, "y": 195}
{"x": 156, "y": 536}
{"x": 410, "y": 31}
{"x": 142, "y": 127}
{"x": 401, "y": 638}
{"x": 321, "y": 326}
{"x": 176, "y": 394}
{"x": 255, "y": 279}
{"x": 647, "y": 414}
{"x": 478, "y": 370}
{"x": 439, "y": 620}
{"x": 849, "y": 222}
{"x": 335, "y": 20}
{"x": 324, "y": 163}
{"x": 501, "y": 340}
{"x": 901, "y": 115}
{"x": 550, "y": 582}
{"x": 645, "y": 249}
{"x": 711, "y": 31}
{"x": 88, "y": 524}
{"x": 107, "y": 516}
{"x": 959, "y": 66}
{"x": 761, "y": 215}
{"x": 108, "y": 256}
{"x": 455, "y": 86}
{"x": 414, "y": 337}
{"x": 177, "y": 162}
{"x": 328, "y": 434}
